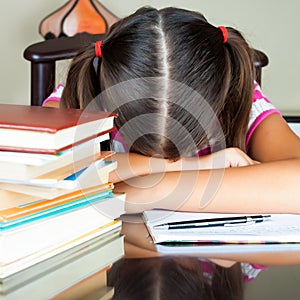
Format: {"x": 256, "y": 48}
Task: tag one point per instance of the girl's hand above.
{"x": 226, "y": 158}
{"x": 230, "y": 158}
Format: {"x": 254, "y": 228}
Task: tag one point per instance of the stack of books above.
{"x": 58, "y": 212}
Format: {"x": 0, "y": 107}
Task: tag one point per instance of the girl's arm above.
{"x": 272, "y": 186}
{"x": 51, "y": 103}
{"x": 273, "y": 140}
{"x": 133, "y": 165}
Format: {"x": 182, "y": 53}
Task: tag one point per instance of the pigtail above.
{"x": 83, "y": 79}
{"x": 235, "y": 116}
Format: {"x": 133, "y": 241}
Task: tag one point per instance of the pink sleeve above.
{"x": 118, "y": 142}
{"x": 55, "y": 95}
{"x": 250, "y": 271}
{"x": 261, "y": 109}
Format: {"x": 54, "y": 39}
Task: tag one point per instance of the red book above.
{"x": 49, "y": 130}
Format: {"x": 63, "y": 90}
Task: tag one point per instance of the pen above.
{"x": 226, "y": 221}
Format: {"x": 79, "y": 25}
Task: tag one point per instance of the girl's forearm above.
{"x": 270, "y": 187}
{"x": 132, "y": 165}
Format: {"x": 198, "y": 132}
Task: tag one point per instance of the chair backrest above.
{"x": 43, "y": 56}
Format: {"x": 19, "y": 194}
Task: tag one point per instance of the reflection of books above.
{"x": 25, "y": 165}
{"x": 49, "y": 130}
{"x": 279, "y": 228}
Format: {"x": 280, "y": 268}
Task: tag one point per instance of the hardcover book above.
{"x": 47, "y": 129}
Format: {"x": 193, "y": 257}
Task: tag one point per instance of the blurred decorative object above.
{"x": 77, "y": 16}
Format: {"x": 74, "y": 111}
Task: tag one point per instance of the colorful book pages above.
{"x": 25, "y": 208}
{"x": 47, "y": 234}
{"x": 58, "y": 209}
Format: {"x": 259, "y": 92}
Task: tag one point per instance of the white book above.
{"x": 37, "y": 264}
{"x": 97, "y": 173}
{"x": 41, "y": 236}
{"x": 219, "y": 250}
{"x": 84, "y": 178}
{"x": 46, "y": 280}
{"x": 31, "y": 165}
{"x": 39, "y": 129}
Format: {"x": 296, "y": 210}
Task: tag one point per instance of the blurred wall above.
{"x": 270, "y": 26}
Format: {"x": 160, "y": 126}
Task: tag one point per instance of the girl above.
{"x": 190, "y": 115}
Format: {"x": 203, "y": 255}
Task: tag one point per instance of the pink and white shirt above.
{"x": 55, "y": 95}
{"x": 249, "y": 271}
{"x": 261, "y": 109}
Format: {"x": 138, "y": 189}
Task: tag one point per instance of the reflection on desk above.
{"x": 172, "y": 277}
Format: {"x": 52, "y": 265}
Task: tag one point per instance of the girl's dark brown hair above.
{"x": 190, "y": 89}
{"x": 174, "y": 278}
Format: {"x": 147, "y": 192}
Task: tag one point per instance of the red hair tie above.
{"x": 224, "y": 33}
{"x": 98, "y": 50}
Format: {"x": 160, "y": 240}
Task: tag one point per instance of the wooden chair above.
{"x": 43, "y": 56}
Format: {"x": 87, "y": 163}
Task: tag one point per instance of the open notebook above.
{"x": 279, "y": 229}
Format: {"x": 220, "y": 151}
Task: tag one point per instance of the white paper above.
{"x": 279, "y": 228}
